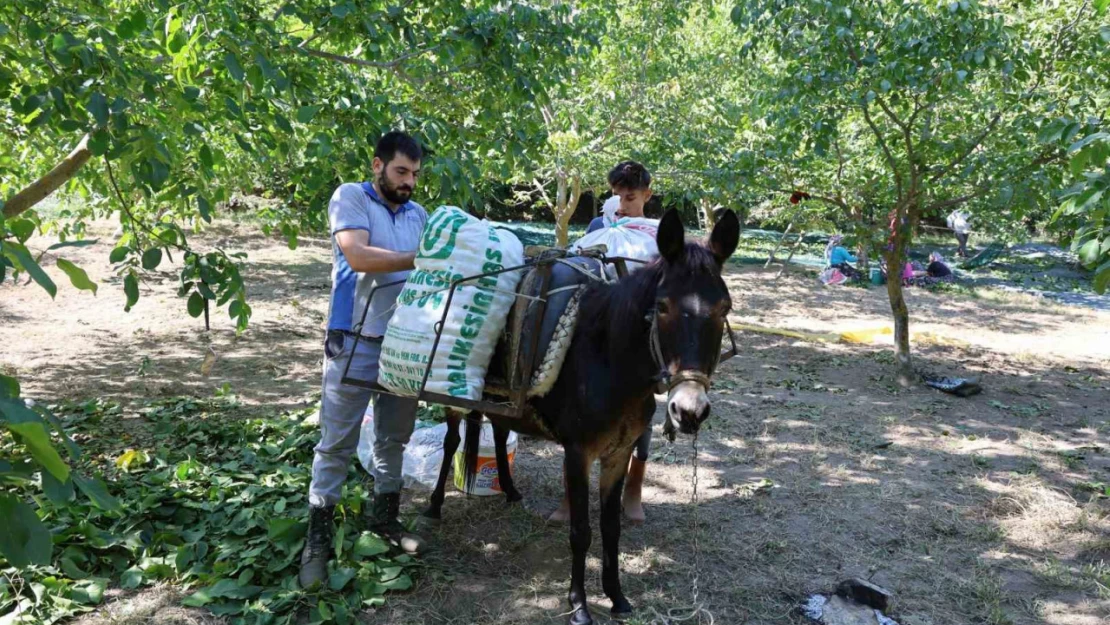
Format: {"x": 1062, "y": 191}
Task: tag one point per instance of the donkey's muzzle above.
{"x": 687, "y": 406}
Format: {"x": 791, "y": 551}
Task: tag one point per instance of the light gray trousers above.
{"x": 341, "y": 412}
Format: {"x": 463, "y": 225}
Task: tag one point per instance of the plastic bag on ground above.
{"x": 423, "y": 455}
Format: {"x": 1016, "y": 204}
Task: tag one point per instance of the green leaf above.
{"x": 118, "y": 254}
{"x": 1070, "y": 131}
{"x": 1050, "y": 132}
{"x": 225, "y": 588}
{"x": 24, "y": 260}
{"x": 59, "y": 492}
{"x": 1089, "y": 253}
{"x": 24, "y": 540}
{"x": 283, "y": 123}
{"x": 77, "y": 276}
{"x": 233, "y": 67}
{"x": 1089, "y": 139}
{"x": 97, "y": 492}
{"x": 9, "y": 387}
{"x": 70, "y": 568}
{"x": 306, "y": 113}
{"x": 195, "y": 305}
{"x": 337, "y": 542}
{"x": 206, "y": 157}
{"x": 1104, "y": 31}
{"x": 159, "y": 172}
{"x": 340, "y": 578}
{"x": 152, "y": 258}
{"x": 21, "y": 228}
{"x": 98, "y": 108}
{"x": 131, "y": 578}
{"x": 89, "y": 592}
{"x": 286, "y": 530}
{"x": 32, "y": 430}
{"x": 99, "y": 142}
{"x": 394, "y": 578}
{"x": 369, "y": 544}
{"x": 81, "y": 243}
{"x": 1102, "y": 277}
{"x": 131, "y": 288}
{"x": 1100, "y": 6}
{"x": 205, "y": 208}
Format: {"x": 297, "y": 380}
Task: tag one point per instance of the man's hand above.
{"x": 363, "y": 258}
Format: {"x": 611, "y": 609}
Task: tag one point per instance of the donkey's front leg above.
{"x": 450, "y": 444}
{"x": 504, "y": 476}
{"x": 613, "y": 470}
{"x": 577, "y": 467}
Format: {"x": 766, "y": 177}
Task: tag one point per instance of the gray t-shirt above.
{"x": 356, "y": 206}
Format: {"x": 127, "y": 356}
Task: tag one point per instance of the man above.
{"x": 957, "y": 222}
{"x": 631, "y": 183}
{"x": 375, "y": 230}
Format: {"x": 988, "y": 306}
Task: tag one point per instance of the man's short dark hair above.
{"x": 629, "y": 175}
{"x": 394, "y": 142}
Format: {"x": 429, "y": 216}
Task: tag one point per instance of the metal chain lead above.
{"x": 697, "y": 550}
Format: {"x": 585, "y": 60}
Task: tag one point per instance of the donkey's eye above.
{"x": 661, "y": 307}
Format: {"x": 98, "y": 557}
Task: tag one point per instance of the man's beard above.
{"x": 392, "y": 194}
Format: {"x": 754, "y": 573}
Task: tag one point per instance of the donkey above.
{"x": 663, "y": 323}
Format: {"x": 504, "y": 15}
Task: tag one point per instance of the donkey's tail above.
{"x": 470, "y": 449}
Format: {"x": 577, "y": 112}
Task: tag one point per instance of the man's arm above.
{"x": 355, "y": 245}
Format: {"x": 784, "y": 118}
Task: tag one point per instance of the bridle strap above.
{"x": 667, "y": 382}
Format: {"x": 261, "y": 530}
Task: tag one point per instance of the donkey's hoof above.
{"x": 511, "y": 498}
{"x": 581, "y": 616}
{"x": 621, "y": 610}
{"x": 425, "y": 522}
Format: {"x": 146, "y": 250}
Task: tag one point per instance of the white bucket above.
{"x": 486, "y": 482}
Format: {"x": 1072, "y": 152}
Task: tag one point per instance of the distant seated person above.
{"x": 839, "y": 258}
{"x": 936, "y": 271}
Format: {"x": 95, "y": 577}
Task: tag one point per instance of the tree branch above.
{"x": 886, "y": 151}
{"x": 40, "y": 189}
{"x": 542, "y": 190}
{"x": 889, "y": 113}
{"x": 971, "y": 148}
{"x": 1043, "y": 159}
{"x": 349, "y": 60}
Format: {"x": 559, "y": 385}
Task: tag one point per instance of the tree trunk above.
{"x": 566, "y": 202}
{"x": 40, "y": 189}
{"x": 709, "y": 216}
{"x": 896, "y": 259}
{"x": 862, "y": 246}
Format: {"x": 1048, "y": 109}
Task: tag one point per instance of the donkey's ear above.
{"x": 671, "y": 237}
{"x": 725, "y": 237}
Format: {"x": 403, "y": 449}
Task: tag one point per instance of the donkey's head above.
{"x": 691, "y": 306}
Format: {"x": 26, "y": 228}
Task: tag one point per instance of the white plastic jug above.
{"x": 487, "y": 481}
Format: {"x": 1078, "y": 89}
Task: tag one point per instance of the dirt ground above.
{"x": 815, "y": 465}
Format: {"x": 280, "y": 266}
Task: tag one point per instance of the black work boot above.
{"x": 317, "y": 546}
{"x": 383, "y": 522}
